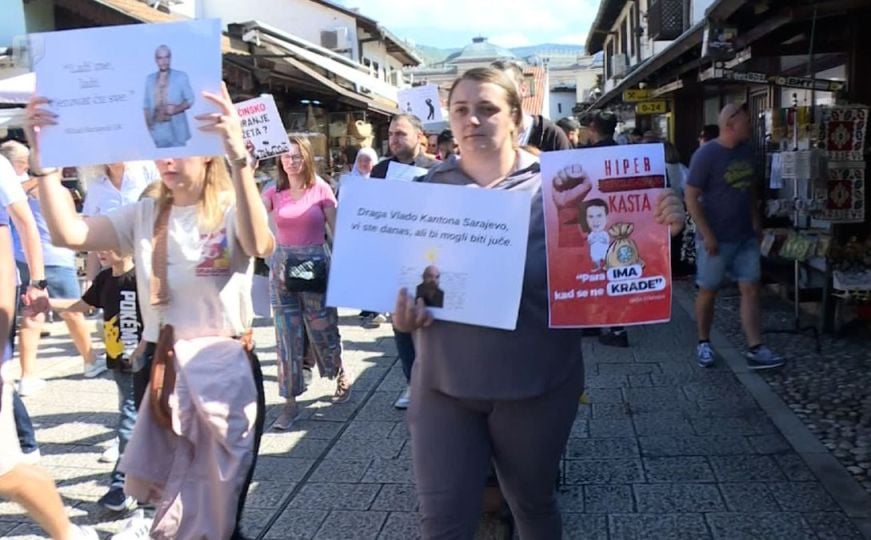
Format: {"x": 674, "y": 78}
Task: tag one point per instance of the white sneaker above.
{"x": 30, "y": 385}
{"x": 135, "y": 528}
{"x": 110, "y": 454}
{"x": 404, "y": 400}
{"x": 81, "y": 532}
{"x": 92, "y": 370}
{"x": 31, "y": 458}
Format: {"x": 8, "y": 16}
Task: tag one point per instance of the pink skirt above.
{"x": 195, "y": 473}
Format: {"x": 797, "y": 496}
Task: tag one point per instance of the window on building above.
{"x": 630, "y": 30}
{"x": 623, "y": 38}
{"x": 559, "y": 108}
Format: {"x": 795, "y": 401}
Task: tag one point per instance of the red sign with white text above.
{"x": 608, "y": 261}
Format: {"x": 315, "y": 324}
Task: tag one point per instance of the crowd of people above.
{"x": 171, "y": 254}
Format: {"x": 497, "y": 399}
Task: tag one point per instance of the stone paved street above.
{"x": 663, "y": 450}
{"x": 827, "y": 390}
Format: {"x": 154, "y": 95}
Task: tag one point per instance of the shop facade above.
{"x": 798, "y": 65}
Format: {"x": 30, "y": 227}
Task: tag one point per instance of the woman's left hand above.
{"x": 410, "y": 313}
{"x": 670, "y": 211}
{"x": 225, "y": 123}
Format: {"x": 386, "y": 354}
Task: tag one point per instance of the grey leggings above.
{"x": 453, "y": 441}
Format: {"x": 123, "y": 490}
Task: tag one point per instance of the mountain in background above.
{"x": 432, "y": 55}
{"x": 435, "y": 55}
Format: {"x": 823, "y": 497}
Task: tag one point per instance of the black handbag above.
{"x": 306, "y": 276}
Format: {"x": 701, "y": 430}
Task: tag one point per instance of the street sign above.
{"x": 651, "y": 107}
{"x": 634, "y": 95}
{"x": 755, "y": 77}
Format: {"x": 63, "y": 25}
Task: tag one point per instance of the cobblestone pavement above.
{"x": 830, "y": 390}
{"x": 664, "y": 450}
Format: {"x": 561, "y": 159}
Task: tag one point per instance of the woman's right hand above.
{"x": 410, "y": 314}
{"x": 36, "y": 117}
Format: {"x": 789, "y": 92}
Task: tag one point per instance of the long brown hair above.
{"x": 216, "y": 196}
{"x": 308, "y": 165}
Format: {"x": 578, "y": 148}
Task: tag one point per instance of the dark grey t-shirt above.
{"x": 473, "y": 362}
{"x": 726, "y": 177}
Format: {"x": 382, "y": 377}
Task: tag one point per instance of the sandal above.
{"x": 343, "y": 388}
{"x": 289, "y": 415}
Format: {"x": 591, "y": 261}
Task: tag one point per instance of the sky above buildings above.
{"x": 509, "y": 23}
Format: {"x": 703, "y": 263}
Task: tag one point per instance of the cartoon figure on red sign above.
{"x": 593, "y": 217}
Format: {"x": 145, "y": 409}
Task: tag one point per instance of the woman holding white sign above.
{"x": 302, "y": 206}
{"x": 483, "y": 394}
{"x": 197, "y": 433}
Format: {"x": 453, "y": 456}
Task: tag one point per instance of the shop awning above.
{"x": 689, "y": 39}
{"x": 11, "y": 118}
{"x": 335, "y": 64}
{"x": 18, "y": 89}
{"x": 386, "y": 108}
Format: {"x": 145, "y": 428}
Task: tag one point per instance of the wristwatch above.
{"x": 40, "y": 284}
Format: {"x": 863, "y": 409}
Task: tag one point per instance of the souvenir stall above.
{"x": 816, "y": 181}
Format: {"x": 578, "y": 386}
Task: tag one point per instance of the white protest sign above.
{"x": 262, "y": 129}
{"x": 126, "y": 93}
{"x": 401, "y": 171}
{"x": 423, "y": 102}
{"x": 461, "y": 249}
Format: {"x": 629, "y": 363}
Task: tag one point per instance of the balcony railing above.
{"x": 667, "y": 19}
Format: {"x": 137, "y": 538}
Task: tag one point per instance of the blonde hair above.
{"x": 308, "y": 165}
{"x": 151, "y": 191}
{"x": 14, "y": 150}
{"x": 216, "y": 196}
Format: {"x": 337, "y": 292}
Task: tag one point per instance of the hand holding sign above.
{"x": 37, "y": 117}
{"x": 670, "y": 211}
{"x": 262, "y": 128}
{"x": 225, "y": 123}
{"x": 410, "y": 313}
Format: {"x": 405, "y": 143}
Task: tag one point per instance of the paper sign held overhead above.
{"x": 423, "y": 102}
{"x": 262, "y": 128}
{"x": 461, "y": 250}
{"x": 125, "y": 93}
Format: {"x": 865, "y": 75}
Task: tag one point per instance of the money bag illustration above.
{"x": 623, "y": 251}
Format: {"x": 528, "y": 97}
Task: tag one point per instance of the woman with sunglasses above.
{"x": 302, "y": 206}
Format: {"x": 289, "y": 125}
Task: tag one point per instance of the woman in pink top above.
{"x": 302, "y": 206}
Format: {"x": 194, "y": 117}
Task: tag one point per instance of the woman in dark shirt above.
{"x": 482, "y": 394}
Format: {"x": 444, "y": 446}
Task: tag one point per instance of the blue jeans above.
{"x": 126, "y": 419}
{"x": 405, "y": 350}
{"x": 740, "y": 260}
{"x": 23, "y": 425}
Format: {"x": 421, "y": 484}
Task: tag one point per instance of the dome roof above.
{"x": 478, "y": 51}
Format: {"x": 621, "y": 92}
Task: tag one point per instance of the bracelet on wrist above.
{"x": 39, "y": 173}
{"x": 244, "y": 161}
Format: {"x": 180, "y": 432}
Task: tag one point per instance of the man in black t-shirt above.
{"x": 114, "y": 291}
